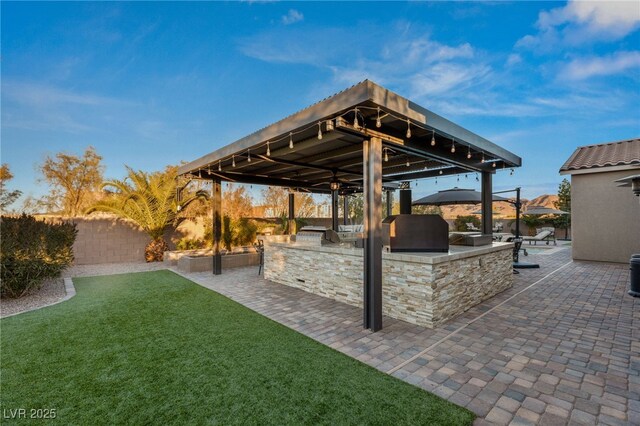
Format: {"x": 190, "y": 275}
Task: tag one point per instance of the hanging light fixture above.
{"x": 200, "y": 173}
{"x": 290, "y": 140}
{"x": 408, "y": 129}
{"x": 268, "y": 150}
{"x": 248, "y": 155}
{"x": 408, "y": 162}
{"x": 378, "y": 120}
{"x": 319, "y": 130}
{"x": 356, "y": 125}
{"x": 386, "y": 155}
{"x": 483, "y": 157}
{"x": 233, "y": 161}
{"x": 493, "y": 164}
{"x": 469, "y": 153}
{"x": 334, "y": 184}
{"x": 433, "y": 138}
{"x": 440, "y": 171}
{"x": 453, "y": 146}
{"x": 219, "y": 165}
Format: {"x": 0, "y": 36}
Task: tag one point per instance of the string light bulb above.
{"x": 408, "y": 129}
{"x": 483, "y": 157}
{"x": 493, "y": 164}
{"x": 290, "y": 140}
{"x": 356, "y": 125}
{"x": 233, "y": 161}
{"x": 440, "y": 172}
{"x": 268, "y": 149}
{"x": 378, "y": 121}
{"x": 433, "y": 138}
{"x": 200, "y": 173}
{"x": 453, "y": 146}
{"x": 219, "y": 165}
{"x": 319, "y": 130}
{"x": 248, "y": 155}
{"x": 386, "y": 155}
{"x": 408, "y": 162}
{"x": 469, "y": 153}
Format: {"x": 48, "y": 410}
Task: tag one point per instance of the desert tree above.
{"x": 73, "y": 180}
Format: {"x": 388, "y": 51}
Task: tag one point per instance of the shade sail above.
{"x": 454, "y": 196}
{"x": 540, "y": 210}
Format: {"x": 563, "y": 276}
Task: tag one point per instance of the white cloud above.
{"x": 582, "y": 21}
{"x": 292, "y": 17}
{"x": 514, "y": 59}
{"x": 584, "y": 68}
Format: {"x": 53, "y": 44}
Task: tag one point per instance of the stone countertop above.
{"x": 455, "y": 252}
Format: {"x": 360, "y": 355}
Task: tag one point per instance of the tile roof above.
{"x": 619, "y": 153}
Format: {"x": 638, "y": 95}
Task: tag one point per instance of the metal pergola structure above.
{"x": 364, "y": 139}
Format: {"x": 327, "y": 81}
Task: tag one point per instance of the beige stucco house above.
{"x": 605, "y": 218}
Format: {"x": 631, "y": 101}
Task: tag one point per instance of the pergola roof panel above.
{"x": 313, "y": 162}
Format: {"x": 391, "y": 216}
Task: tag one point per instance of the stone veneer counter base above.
{"x": 426, "y": 289}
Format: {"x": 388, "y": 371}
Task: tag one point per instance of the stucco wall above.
{"x": 605, "y": 218}
{"x": 107, "y": 239}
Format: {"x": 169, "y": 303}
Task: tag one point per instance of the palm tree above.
{"x": 149, "y": 200}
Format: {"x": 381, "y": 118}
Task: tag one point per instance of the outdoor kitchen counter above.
{"x": 421, "y": 288}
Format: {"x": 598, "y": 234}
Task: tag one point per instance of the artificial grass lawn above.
{"x": 155, "y": 348}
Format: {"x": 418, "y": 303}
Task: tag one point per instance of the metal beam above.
{"x": 292, "y": 213}
{"x": 334, "y": 210}
{"x": 372, "y": 171}
{"x": 405, "y": 201}
{"x": 345, "y": 209}
{"x": 216, "y": 203}
{"x": 264, "y": 180}
{"x": 487, "y": 203}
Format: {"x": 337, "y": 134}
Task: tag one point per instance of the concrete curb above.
{"x": 69, "y": 289}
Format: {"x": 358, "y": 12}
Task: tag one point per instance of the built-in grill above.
{"x": 415, "y": 232}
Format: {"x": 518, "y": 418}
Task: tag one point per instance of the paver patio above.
{"x": 554, "y": 349}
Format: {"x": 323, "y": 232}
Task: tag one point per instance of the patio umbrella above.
{"x": 494, "y": 213}
{"x": 540, "y": 211}
{"x": 453, "y": 196}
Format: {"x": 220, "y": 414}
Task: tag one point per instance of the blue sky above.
{"x": 151, "y": 84}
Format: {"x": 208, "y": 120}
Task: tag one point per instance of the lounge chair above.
{"x": 551, "y": 237}
{"x": 471, "y": 227}
{"x": 541, "y": 236}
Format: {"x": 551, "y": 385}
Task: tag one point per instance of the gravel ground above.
{"x": 53, "y": 290}
{"x": 50, "y": 292}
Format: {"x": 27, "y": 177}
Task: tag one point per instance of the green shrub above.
{"x": 227, "y": 232}
{"x": 461, "y": 222}
{"x": 189, "y": 244}
{"x": 32, "y": 251}
{"x": 246, "y": 230}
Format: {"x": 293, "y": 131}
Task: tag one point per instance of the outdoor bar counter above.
{"x": 426, "y": 289}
